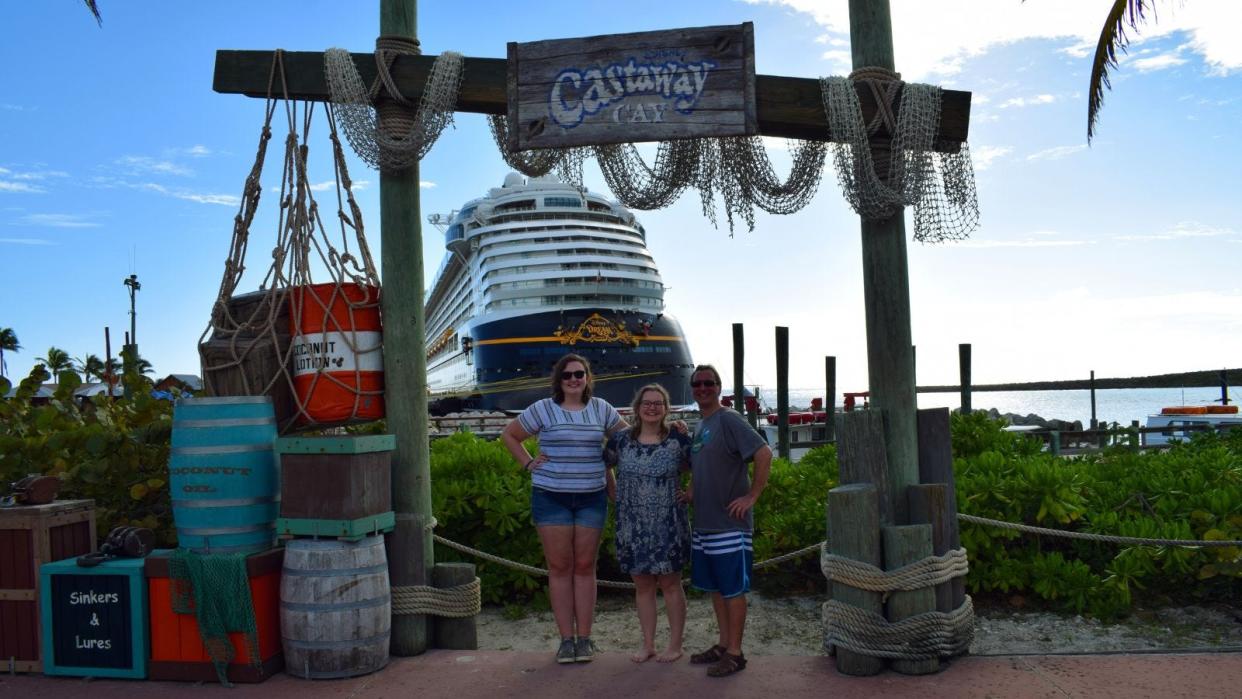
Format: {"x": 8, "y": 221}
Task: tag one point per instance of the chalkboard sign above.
{"x": 94, "y": 619}
{"x": 91, "y": 621}
{"x": 645, "y": 86}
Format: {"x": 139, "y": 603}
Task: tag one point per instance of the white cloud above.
{"x": 144, "y": 164}
{"x": 1034, "y": 239}
{"x": 1028, "y": 101}
{"x": 984, "y": 156}
{"x": 21, "y": 187}
{"x": 27, "y": 241}
{"x": 221, "y": 199}
{"x": 1158, "y": 62}
{"x": 1056, "y": 153}
{"x": 198, "y": 151}
{"x": 57, "y": 221}
{"x": 935, "y": 38}
{"x": 425, "y": 184}
{"x": 323, "y": 186}
{"x": 1183, "y": 230}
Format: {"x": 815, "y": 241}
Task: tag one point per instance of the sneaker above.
{"x": 565, "y": 654}
{"x": 584, "y": 650}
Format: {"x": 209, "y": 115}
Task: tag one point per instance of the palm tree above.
{"x": 91, "y": 366}
{"x": 9, "y": 343}
{"x": 56, "y": 360}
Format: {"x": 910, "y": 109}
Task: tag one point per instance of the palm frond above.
{"x": 90, "y": 5}
{"x": 1112, "y": 39}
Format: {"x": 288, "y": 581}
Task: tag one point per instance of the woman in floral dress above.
{"x": 652, "y": 530}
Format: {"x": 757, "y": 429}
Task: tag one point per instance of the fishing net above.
{"x": 216, "y": 590}
{"x": 306, "y": 345}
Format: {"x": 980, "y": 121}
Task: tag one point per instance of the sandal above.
{"x": 727, "y": 665}
{"x": 711, "y": 655}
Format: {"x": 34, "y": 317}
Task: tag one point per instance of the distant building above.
{"x": 186, "y": 383}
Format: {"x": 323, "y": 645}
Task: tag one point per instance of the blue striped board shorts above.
{"x": 721, "y": 562}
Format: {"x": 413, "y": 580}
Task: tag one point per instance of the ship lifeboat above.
{"x": 1222, "y": 410}
{"x": 1185, "y": 410}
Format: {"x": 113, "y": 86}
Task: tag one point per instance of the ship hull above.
{"x": 512, "y": 359}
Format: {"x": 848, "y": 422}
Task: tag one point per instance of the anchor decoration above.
{"x": 596, "y": 328}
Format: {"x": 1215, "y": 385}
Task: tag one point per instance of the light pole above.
{"x": 132, "y": 282}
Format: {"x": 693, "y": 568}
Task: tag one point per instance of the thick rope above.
{"x": 1088, "y": 536}
{"x": 456, "y": 602}
{"x": 920, "y": 637}
{"x": 924, "y": 573}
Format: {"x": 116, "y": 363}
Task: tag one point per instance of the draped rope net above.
{"x": 247, "y": 347}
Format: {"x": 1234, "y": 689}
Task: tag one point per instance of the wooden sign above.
{"x": 619, "y": 88}
{"x": 94, "y": 619}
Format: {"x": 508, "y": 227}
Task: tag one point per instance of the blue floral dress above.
{"x": 653, "y": 531}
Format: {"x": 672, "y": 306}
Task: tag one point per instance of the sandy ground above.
{"x": 792, "y": 626}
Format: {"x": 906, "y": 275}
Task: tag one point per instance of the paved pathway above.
{"x": 467, "y": 674}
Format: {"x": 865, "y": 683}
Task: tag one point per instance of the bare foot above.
{"x": 643, "y": 655}
{"x": 669, "y": 655}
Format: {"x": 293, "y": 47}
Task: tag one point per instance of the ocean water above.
{"x": 1121, "y": 405}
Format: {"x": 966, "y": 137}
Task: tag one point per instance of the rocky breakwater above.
{"x": 1034, "y": 420}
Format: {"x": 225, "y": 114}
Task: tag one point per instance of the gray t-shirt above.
{"x": 723, "y": 443}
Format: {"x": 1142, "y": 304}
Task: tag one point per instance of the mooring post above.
{"x": 739, "y": 358}
{"x": 1224, "y": 387}
{"x": 1091, "y": 385}
{"x": 782, "y": 392}
{"x": 410, "y": 552}
{"x": 861, "y": 457}
{"x": 854, "y": 533}
{"x": 886, "y": 285}
{"x": 830, "y": 398}
{"x": 936, "y": 471}
{"x": 902, "y": 546}
{"x": 454, "y": 633}
{"x": 963, "y": 368}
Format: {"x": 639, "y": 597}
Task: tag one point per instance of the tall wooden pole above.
{"x": 739, "y": 357}
{"x": 410, "y": 553}
{"x": 830, "y": 398}
{"x": 782, "y": 392}
{"x": 886, "y": 286}
{"x": 963, "y": 368}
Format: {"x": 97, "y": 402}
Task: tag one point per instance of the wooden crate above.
{"x": 94, "y": 619}
{"x": 177, "y": 651}
{"x": 335, "y": 478}
{"x": 29, "y": 537}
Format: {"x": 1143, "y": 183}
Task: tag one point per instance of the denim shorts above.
{"x": 549, "y": 507}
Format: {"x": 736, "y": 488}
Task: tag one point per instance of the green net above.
{"x": 214, "y": 588}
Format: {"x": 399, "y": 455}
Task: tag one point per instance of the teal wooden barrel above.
{"x": 223, "y": 475}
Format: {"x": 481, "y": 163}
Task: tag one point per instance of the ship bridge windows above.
{"x": 454, "y": 233}
{"x": 563, "y": 202}
{"x": 520, "y": 205}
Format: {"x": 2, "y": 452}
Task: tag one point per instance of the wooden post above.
{"x": 1094, "y": 423}
{"x": 1224, "y": 387}
{"x": 1135, "y": 436}
{"x": 929, "y": 504}
{"x": 853, "y": 532}
{"x": 782, "y": 392}
{"x": 936, "y": 467}
{"x": 108, "y": 358}
{"x": 861, "y": 456}
{"x": 886, "y": 287}
{"x": 903, "y": 546}
{"x": 454, "y": 633}
{"x": 739, "y": 358}
{"x": 963, "y": 368}
{"x": 830, "y": 398}
{"x": 410, "y": 552}
{"x": 1054, "y": 443}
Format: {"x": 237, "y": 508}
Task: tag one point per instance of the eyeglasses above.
{"x": 702, "y": 384}
{"x": 567, "y": 375}
{"x": 652, "y": 404}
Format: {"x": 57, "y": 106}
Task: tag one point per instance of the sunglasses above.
{"x": 567, "y": 375}
{"x": 702, "y": 384}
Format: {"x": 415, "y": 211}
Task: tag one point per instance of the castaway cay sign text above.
{"x": 649, "y": 86}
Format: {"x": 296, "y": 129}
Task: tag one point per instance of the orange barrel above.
{"x": 338, "y": 363}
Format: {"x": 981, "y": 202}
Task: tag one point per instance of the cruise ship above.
{"x": 535, "y": 269}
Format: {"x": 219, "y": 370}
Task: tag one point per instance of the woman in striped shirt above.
{"x": 569, "y": 501}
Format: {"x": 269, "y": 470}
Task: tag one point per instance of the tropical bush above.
{"x": 112, "y": 451}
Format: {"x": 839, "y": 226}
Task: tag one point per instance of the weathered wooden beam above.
{"x": 787, "y": 107}
{"x": 861, "y": 455}
{"x": 454, "y": 633}
{"x": 854, "y": 533}
{"x": 903, "y": 546}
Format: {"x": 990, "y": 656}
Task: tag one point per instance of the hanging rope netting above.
{"x": 315, "y": 348}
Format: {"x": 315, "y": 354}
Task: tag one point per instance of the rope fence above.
{"x": 952, "y": 558}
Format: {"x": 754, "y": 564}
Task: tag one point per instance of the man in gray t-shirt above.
{"x": 724, "y": 498}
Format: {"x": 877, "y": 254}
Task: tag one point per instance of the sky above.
{"x": 1122, "y": 257}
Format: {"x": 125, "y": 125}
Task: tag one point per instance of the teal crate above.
{"x": 343, "y": 529}
{"x": 95, "y": 619}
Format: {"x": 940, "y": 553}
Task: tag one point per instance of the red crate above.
{"x": 29, "y": 537}
{"x": 177, "y": 651}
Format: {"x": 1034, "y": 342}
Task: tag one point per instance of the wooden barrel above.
{"x": 338, "y": 364}
{"x": 335, "y": 607}
{"x": 223, "y": 477}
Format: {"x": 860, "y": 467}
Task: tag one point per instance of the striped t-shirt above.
{"x": 573, "y": 441}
